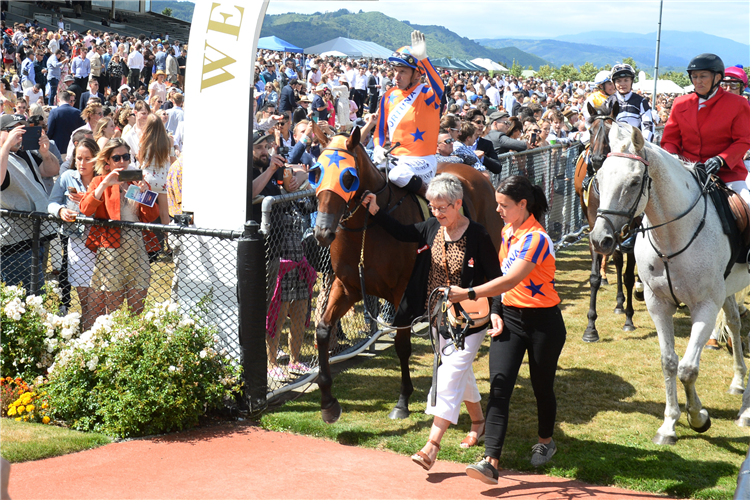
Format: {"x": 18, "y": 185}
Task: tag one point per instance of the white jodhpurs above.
{"x": 407, "y": 167}
{"x": 740, "y": 187}
{"x": 455, "y": 381}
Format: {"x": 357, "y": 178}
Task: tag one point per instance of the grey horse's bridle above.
{"x": 631, "y": 214}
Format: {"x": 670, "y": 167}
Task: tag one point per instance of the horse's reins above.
{"x": 630, "y": 233}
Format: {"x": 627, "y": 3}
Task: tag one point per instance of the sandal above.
{"x": 470, "y": 441}
{"x": 422, "y": 459}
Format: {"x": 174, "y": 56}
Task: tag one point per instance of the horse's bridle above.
{"x": 631, "y": 214}
{"x": 626, "y": 229}
{"x": 599, "y": 157}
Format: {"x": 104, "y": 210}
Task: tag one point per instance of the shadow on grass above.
{"x": 627, "y": 466}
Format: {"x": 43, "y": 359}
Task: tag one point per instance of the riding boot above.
{"x": 416, "y": 186}
{"x": 585, "y": 183}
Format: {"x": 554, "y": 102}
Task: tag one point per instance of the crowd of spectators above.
{"x": 102, "y": 104}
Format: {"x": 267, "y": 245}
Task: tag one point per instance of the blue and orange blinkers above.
{"x": 335, "y": 171}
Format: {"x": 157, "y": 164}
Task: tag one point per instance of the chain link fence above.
{"x": 129, "y": 267}
{"x": 552, "y": 168}
{"x": 299, "y": 276}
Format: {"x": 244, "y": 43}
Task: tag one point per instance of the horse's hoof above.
{"x": 737, "y": 391}
{"x": 661, "y": 439}
{"x": 742, "y": 422}
{"x": 399, "y": 414}
{"x": 703, "y": 428}
{"x": 605, "y": 281}
{"x": 619, "y": 310}
{"x": 591, "y": 336}
{"x": 628, "y": 328}
{"x": 332, "y": 413}
{"x": 638, "y": 296}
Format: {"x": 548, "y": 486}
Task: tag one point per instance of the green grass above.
{"x": 22, "y": 441}
{"x": 610, "y": 404}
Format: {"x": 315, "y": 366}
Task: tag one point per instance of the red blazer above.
{"x": 720, "y": 128}
{"x": 108, "y": 208}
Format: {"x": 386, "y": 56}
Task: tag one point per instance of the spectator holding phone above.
{"x": 64, "y": 201}
{"x": 122, "y": 269}
{"x": 20, "y": 189}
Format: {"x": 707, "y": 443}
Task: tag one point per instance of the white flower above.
{"x": 203, "y": 354}
{"x": 66, "y": 333}
{"x": 173, "y": 307}
{"x": 15, "y": 309}
{"x": 185, "y": 321}
{"x": 172, "y": 368}
{"x": 34, "y": 303}
{"x": 91, "y": 365}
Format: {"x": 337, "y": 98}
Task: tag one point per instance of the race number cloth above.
{"x": 530, "y": 243}
{"x": 412, "y": 116}
{"x": 328, "y": 173}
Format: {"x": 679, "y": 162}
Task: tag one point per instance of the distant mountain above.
{"x": 601, "y": 48}
{"x": 180, "y": 10}
{"x": 306, "y": 30}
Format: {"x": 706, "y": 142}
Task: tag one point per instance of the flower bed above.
{"x": 126, "y": 376}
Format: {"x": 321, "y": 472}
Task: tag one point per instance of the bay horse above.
{"x": 600, "y": 123}
{"x": 682, "y": 254}
{"x": 388, "y": 263}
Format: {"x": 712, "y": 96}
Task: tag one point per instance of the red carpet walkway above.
{"x": 243, "y": 461}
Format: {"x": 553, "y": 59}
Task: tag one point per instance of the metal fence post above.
{"x": 35, "y": 286}
{"x": 251, "y": 302}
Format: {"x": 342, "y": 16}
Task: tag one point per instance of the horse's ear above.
{"x": 320, "y": 135}
{"x": 592, "y": 110}
{"x": 353, "y": 140}
{"x": 615, "y": 109}
{"x": 637, "y": 138}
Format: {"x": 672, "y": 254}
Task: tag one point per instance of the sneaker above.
{"x": 276, "y": 374}
{"x": 281, "y": 356}
{"x": 299, "y": 368}
{"x": 542, "y": 453}
{"x": 484, "y": 471}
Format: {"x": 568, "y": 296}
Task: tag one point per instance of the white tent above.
{"x": 351, "y": 48}
{"x": 489, "y": 64}
{"x": 662, "y": 87}
{"x": 332, "y": 53}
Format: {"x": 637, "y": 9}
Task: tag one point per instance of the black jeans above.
{"x": 134, "y": 79}
{"x": 541, "y": 332}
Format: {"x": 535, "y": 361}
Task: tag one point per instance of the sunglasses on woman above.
{"x": 122, "y": 157}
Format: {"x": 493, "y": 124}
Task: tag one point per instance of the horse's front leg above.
{"x": 595, "y": 281}
{"x": 629, "y": 279}
{"x": 603, "y": 269}
{"x": 340, "y": 301}
{"x": 704, "y": 318}
{"x": 661, "y": 312}
{"x": 403, "y": 350}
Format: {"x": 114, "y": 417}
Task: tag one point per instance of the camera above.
{"x": 282, "y": 151}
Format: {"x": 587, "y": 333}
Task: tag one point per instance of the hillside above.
{"x": 307, "y": 30}
{"x": 601, "y": 48}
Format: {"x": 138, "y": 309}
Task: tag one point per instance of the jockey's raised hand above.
{"x": 418, "y": 45}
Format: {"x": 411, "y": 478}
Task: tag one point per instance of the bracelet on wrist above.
{"x": 471, "y": 293}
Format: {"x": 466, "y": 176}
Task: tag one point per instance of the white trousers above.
{"x": 424, "y": 167}
{"x": 455, "y": 381}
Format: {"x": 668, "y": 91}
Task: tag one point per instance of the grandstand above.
{"x": 136, "y": 19}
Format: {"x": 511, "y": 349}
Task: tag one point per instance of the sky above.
{"x": 532, "y": 18}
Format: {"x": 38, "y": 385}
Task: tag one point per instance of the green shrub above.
{"x": 136, "y": 376}
{"x": 31, "y": 333}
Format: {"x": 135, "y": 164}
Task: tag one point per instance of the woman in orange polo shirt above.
{"x": 528, "y": 320}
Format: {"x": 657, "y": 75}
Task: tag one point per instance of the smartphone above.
{"x": 30, "y": 141}
{"x": 533, "y": 138}
{"x": 72, "y": 189}
{"x": 131, "y": 175}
